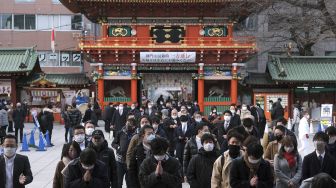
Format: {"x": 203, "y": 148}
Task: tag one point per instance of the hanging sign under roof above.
{"x": 167, "y": 57}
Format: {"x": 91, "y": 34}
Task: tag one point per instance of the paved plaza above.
{"x": 43, "y": 163}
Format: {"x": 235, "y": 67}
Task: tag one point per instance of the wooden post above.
{"x": 201, "y": 86}
{"x": 234, "y": 84}
{"x": 134, "y": 83}
{"x": 104, "y": 30}
{"x": 101, "y": 85}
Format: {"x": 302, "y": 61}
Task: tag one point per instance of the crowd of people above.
{"x": 170, "y": 142}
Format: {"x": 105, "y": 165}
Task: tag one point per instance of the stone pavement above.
{"x": 43, "y": 163}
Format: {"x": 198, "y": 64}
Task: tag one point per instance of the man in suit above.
{"x": 319, "y": 160}
{"x": 119, "y": 119}
{"x": 183, "y": 133}
{"x": 235, "y": 119}
{"x": 150, "y": 111}
{"x": 19, "y": 115}
{"x": 108, "y": 115}
{"x": 223, "y": 128}
{"x": 14, "y": 168}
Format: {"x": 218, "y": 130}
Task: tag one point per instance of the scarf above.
{"x": 253, "y": 167}
{"x": 291, "y": 159}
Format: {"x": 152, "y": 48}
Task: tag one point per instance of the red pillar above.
{"x": 201, "y": 86}
{"x": 104, "y": 30}
{"x": 234, "y": 85}
{"x": 230, "y": 30}
{"x": 100, "y": 81}
{"x": 13, "y": 93}
{"x": 134, "y": 83}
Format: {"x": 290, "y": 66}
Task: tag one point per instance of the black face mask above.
{"x": 278, "y": 137}
{"x": 234, "y": 151}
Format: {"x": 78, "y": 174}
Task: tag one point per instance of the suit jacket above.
{"x": 118, "y": 120}
{"x": 221, "y": 131}
{"x": 21, "y": 166}
{"x": 311, "y": 165}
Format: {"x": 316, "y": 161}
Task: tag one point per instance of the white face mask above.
{"x": 150, "y": 106}
{"x": 79, "y": 138}
{"x": 89, "y": 131}
{"x": 159, "y": 157}
{"x": 214, "y": 111}
{"x": 132, "y": 107}
{"x": 307, "y": 116}
{"x": 87, "y": 167}
{"x": 208, "y": 146}
{"x": 244, "y": 108}
{"x": 174, "y": 117}
{"x": 332, "y": 139}
{"x": 155, "y": 126}
{"x": 253, "y": 161}
{"x": 117, "y": 108}
{"x": 289, "y": 149}
{"x": 9, "y": 152}
{"x": 227, "y": 118}
{"x": 198, "y": 120}
{"x": 233, "y": 111}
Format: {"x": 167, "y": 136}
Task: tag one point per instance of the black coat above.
{"x": 200, "y": 169}
{"x": 137, "y": 158}
{"x": 106, "y": 155}
{"x": 118, "y": 120}
{"x": 170, "y": 131}
{"x": 311, "y": 165}
{"x": 46, "y": 120}
{"x": 331, "y": 148}
{"x": 73, "y": 175}
{"x": 171, "y": 177}
{"x": 181, "y": 139}
{"x": 108, "y": 113}
{"x": 240, "y": 174}
{"x": 90, "y": 115}
{"x": 120, "y": 143}
{"x": 21, "y": 166}
{"x": 221, "y": 131}
{"x": 190, "y": 150}
{"x": 235, "y": 120}
{"x": 19, "y": 116}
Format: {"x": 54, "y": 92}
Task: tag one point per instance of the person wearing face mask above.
{"x": 319, "y": 160}
{"x": 135, "y": 111}
{"x": 197, "y": 118}
{"x": 183, "y": 133}
{"x": 79, "y": 137}
{"x": 170, "y": 124}
{"x": 224, "y": 127}
{"x": 200, "y": 167}
{"x": 244, "y": 112}
{"x": 86, "y": 171}
{"x": 235, "y": 119}
{"x": 70, "y": 152}
{"x": 119, "y": 119}
{"x": 89, "y": 128}
{"x": 150, "y": 110}
{"x": 304, "y": 133}
{"x": 274, "y": 146}
{"x": 140, "y": 152}
{"x": 105, "y": 154}
{"x": 222, "y": 166}
{"x": 331, "y": 146}
{"x": 251, "y": 170}
{"x": 193, "y": 145}
{"x": 14, "y": 168}
{"x": 136, "y": 138}
{"x": 288, "y": 165}
{"x": 248, "y": 124}
{"x": 160, "y": 169}
{"x": 120, "y": 144}
{"x": 213, "y": 114}
{"x": 156, "y": 123}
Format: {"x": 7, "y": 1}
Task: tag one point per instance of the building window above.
{"x": 19, "y": 21}
{"x": 65, "y": 23}
{"x": 76, "y": 22}
{"x": 30, "y": 22}
{"x": 24, "y": 1}
{"x": 22, "y": 21}
{"x": 46, "y": 22}
{"x": 69, "y": 58}
{"x": 5, "y": 21}
{"x": 56, "y": 2}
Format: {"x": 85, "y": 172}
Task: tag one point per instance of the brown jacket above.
{"x": 131, "y": 147}
{"x": 221, "y": 172}
{"x": 58, "y": 177}
{"x": 272, "y": 149}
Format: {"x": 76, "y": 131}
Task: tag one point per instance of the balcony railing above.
{"x": 148, "y": 42}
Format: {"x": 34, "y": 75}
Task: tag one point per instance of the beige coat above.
{"x": 271, "y": 150}
{"x": 221, "y": 173}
